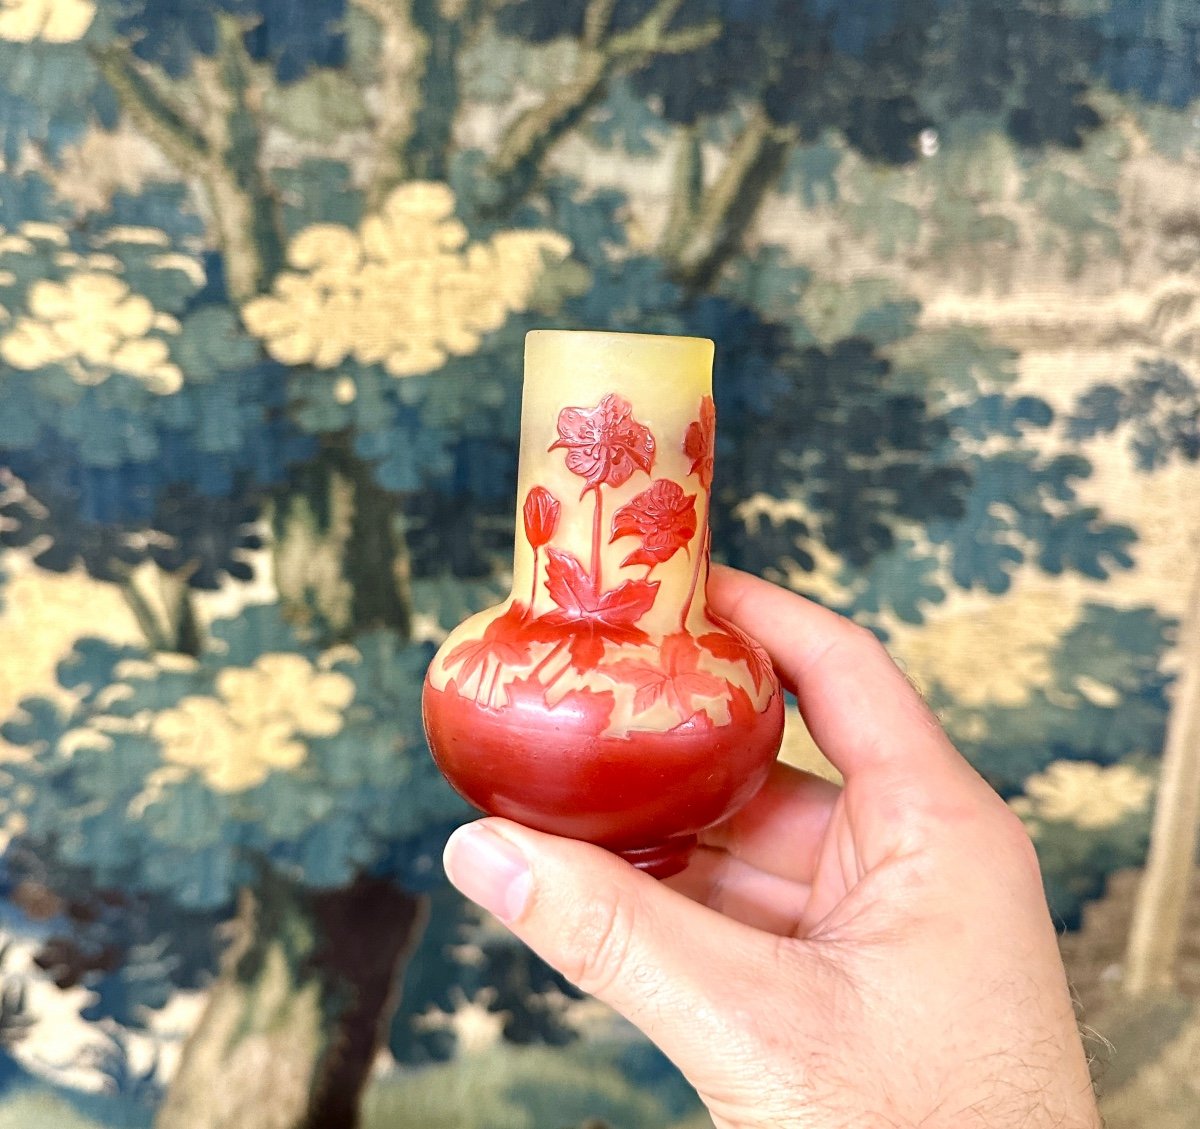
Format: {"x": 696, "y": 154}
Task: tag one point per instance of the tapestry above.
{"x": 266, "y": 269}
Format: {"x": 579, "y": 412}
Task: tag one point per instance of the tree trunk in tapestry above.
{"x": 341, "y": 563}
{"x": 296, "y": 1018}
{"x": 292, "y": 1026}
{"x": 1157, "y": 929}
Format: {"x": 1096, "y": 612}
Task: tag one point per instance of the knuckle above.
{"x": 863, "y": 638}
{"x": 1016, "y": 837}
{"x": 597, "y": 942}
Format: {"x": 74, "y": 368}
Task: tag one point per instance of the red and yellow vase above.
{"x": 604, "y": 700}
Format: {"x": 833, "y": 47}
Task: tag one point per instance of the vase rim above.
{"x": 616, "y": 335}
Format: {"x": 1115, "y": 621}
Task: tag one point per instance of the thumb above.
{"x": 678, "y": 970}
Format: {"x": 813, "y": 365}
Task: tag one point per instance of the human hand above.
{"x": 879, "y": 954}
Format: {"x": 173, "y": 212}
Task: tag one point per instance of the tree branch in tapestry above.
{"x": 604, "y": 54}
{"x": 708, "y": 225}
{"x": 221, "y": 147}
{"x": 418, "y": 96}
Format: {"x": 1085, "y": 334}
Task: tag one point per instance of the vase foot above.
{"x": 663, "y": 859}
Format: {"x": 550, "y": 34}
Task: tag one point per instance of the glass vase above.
{"x": 604, "y": 700}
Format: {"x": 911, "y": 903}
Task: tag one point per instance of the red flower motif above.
{"x": 604, "y": 444}
{"x": 733, "y": 645}
{"x": 699, "y": 443}
{"x": 586, "y": 620}
{"x": 663, "y": 516}
{"x": 506, "y": 639}
{"x": 675, "y": 677}
{"x": 541, "y": 516}
{"x": 590, "y": 710}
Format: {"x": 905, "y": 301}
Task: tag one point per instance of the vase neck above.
{"x": 614, "y": 480}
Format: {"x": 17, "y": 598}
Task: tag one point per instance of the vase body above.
{"x": 603, "y": 700}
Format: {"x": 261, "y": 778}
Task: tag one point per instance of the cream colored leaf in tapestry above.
{"x": 41, "y": 617}
{"x": 53, "y": 21}
{"x": 990, "y": 652}
{"x": 406, "y": 290}
{"x": 257, "y": 721}
{"x": 93, "y": 326}
{"x": 1088, "y": 795}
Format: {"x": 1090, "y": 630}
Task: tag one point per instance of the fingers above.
{"x": 743, "y": 892}
{"x": 673, "y": 967}
{"x": 858, "y": 706}
{"x": 780, "y": 830}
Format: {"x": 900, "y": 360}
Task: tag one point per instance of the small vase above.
{"x": 604, "y": 700}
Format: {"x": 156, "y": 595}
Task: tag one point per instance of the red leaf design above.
{"x": 586, "y": 620}
{"x": 699, "y": 442}
{"x": 541, "y": 516}
{"x": 663, "y": 516}
{"x": 648, "y": 681}
{"x": 741, "y": 709}
{"x": 604, "y": 444}
{"x": 591, "y": 709}
{"x": 506, "y": 638}
{"x": 675, "y": 678}
{"x": 731, "y": 644}
{"x": 567, "y": 581}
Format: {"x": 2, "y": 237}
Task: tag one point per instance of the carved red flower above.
{"x": 699, "y": 443}
{"x": 733, "y": 645}
{"x": 586, "y": 620}
{"x": 506, "y": 639}
{"x": 541, "y": 516}
{"x": 663, "y": 516}
{"x": 675, "y": 677}
{"x": 604, "y": 444}
{"x": 588, "y": 710}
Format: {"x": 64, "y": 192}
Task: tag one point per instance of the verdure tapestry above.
{"x": 266, "y": 267}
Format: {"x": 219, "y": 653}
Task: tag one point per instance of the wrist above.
{"x": 1024, "y": 1107}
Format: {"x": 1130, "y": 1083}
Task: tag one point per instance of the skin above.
{"x": 875, "y": 955}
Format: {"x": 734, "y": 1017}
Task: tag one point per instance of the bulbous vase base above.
{"x": 643, "y": 795}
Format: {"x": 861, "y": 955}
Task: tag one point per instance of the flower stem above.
{"x": 701, "y": 558}
{"x": 533, "y": 588}
{"x": 482, "y": 679}
{"x": 492, "y": 688}
{"x": 596, "y": 534}
{"x": 547, "y": 660}
{"x": 561, "y": 671}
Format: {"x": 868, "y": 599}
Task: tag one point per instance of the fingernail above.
{"x": 489, "y": 870}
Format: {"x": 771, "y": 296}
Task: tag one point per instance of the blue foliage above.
{"x": 1159, "y": 406}
{"x": 998, "y": 415}
{"x": 903, "y": 580}
{"x": 292, "y": 35}
{"x": 821, "y": 425}
{"x": 1150, "y": 48}
{"x": 28, "y": 197}
{"x": 318, "y": 190}
{"x": 1024, "y": 506}
{"x": 365, "y": 799}
{"x": 12, "y": 1073}
{"x": 1116, "y": 648}
{"x": 106, "y": 462}
{"x": 625, "y": 121}
{"x": 49, "y": 94}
